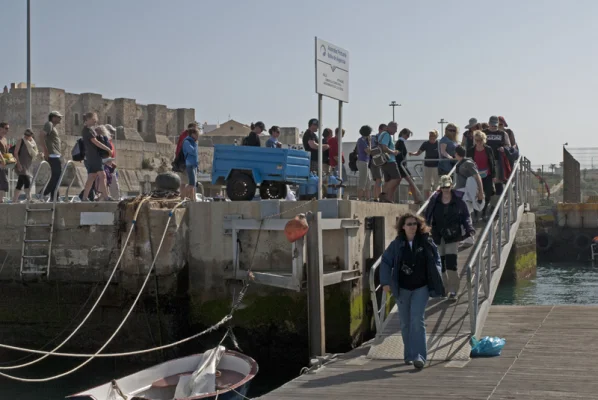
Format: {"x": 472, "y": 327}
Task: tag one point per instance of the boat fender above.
{"x": 544, "y": 241}
{"x": 582, "y": 242}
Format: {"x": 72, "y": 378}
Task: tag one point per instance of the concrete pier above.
{"x": 196, "y": 277}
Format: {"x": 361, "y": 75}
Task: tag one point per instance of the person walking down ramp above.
{"x": 411, "y": 271}
{"x": 449, "y": 217}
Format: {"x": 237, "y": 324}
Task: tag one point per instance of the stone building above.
{"x": 151, "y": 123}
{"x": 231, "y": 130}
{"x": 142, "y": 142}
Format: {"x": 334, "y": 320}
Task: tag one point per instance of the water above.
{"x": 102, "y": 370}
{"x": 555, "y": 283}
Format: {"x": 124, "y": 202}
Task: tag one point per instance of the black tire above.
{"x": 240, "y": 187}
{"x": 273, "y": 190}
{"x": 543, "y": 242}
{"x": 582, "y": 242}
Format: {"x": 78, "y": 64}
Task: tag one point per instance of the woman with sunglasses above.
{"x": 447, "y": 146}
{"x": 411, "y": 271}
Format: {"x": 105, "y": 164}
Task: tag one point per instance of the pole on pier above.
{"x": 315, "y": 287}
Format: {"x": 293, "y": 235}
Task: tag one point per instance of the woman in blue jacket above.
{"x": 191, "y": 161}
{"x": 411, "y": 271}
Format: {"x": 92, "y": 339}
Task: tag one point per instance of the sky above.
{"x": 533, "y": 62}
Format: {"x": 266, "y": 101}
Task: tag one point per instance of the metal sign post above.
{"x": 320, "y": 152}
{"x": 340, "y": 147}
{"x": 332, "y": 80}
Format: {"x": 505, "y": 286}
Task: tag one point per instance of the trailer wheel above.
{"x": 240, "y": 187}
{"x": 273, "y": 190}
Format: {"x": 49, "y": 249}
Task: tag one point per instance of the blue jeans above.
{"x": 412, "y": 310}
{"x": 192, "y": 175}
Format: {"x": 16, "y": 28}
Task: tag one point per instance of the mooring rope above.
{"x": 92, "y": 308}
{"x": 98, "y": 354}
{"x": 124, "y": 319}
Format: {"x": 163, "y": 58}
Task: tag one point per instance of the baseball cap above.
{"x": 261, "y": 125}
{"x": 446, "y": 181}
{"x": 503, "y": 121}
{"x": 313, "y": 121}
{"x": 56, "y": 114}
{"x": 493, "y": 121}
{"x": 110, "y": 128}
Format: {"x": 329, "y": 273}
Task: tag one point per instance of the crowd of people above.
{"x": 422, "y": 261}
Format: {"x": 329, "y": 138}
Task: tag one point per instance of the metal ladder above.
{"x": 31, "y": 248}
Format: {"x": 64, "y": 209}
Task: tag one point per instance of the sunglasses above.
{"x": 411, "y": 224}
{"x": 445, "y": 187}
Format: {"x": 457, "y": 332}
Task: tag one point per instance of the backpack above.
{"x": 378, "y": 157}
{"x": 179, "y": 163}
{"x": 78, "y": 151}
{"x": 353, "y": 160}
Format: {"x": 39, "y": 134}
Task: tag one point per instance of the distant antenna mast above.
{"x": 442, "y": 122}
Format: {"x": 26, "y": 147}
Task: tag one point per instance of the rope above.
{"x": 151, "y": 268}
{"x": 212, "y": 328}
{"x": 31, "y": 354}
{"x": 92, "y": 308}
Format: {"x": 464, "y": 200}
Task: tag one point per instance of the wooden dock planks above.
{"x": 551, "y": 353}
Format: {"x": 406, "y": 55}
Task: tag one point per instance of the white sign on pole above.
{"x": 332, "y": 71}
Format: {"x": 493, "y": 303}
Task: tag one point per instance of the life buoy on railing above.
{"x": 544, "y": 241}
{"x": 582, "y": 242}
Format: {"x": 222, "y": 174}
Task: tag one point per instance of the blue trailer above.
{"x": 242, "y": 168}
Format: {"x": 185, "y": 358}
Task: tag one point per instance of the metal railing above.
{"x": 64, "y": 169}
{"x": 488, "y": 247}
{"x": 514, "y": 194}
{"x": 376, "y": 288}
{"x": 39, "y": 167}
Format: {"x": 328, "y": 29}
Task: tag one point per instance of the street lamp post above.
{"x": 393, "y": 104}
{"x": 442, "y": 122}
{"x": 28, "y": 106}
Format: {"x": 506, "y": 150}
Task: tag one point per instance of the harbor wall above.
{"x": 87, "y": 241}
{"x": 565, "y": 232}
{"x": 522, "y": 261}
{"x": 194, "y": 283}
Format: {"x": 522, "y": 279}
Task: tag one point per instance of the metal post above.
{"x": 489, "y": 266}
{"x": 509, "y": 216}
{"x": 320, "y": 147}
{"x": 315, "y": 289}
{"x": 442, "y": 122}
{"x": 28, "y": 105}
{"x": 394, "y": 104}
{"x": 499, "y": 239}
{"x": 339, "y": 164}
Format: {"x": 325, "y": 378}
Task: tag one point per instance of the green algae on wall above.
{"x": 525, "y": 265}
{"x": 284, "y": 315}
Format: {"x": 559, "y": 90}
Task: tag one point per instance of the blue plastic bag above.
{"x": 487, "y": 347}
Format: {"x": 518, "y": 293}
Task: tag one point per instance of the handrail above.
{"x": 511, "y": 190}
{"x": 39, "y": 167}
{"x": 379, "y": 310}
{"x": 66, "y": 196}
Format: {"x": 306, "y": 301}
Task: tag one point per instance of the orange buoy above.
{"x": 296, "y": 228}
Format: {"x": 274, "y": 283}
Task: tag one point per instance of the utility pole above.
{"x": 393, "y": 104}
{"x": 442, "y": 122}
{"x": 28, "y": 105}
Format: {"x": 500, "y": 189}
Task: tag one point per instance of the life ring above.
{"x": 582, "y": 242}
{"x": 544, "y": 241}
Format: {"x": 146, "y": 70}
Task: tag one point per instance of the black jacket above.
{"x": 489, "y": 153}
